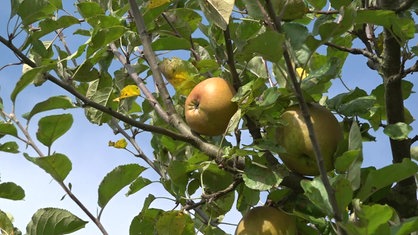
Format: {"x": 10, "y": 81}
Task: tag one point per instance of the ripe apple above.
{"x": 209, "y": 108}
{"x": 293, "y": 135}
{"x": 266, "y": 221}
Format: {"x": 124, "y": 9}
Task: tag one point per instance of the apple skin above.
{"x": 266, "y": 221}
{"x": 293, "y": 135}
{"x": 208, "y": 107}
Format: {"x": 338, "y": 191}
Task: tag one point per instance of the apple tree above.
{"x": 130, "y": 66}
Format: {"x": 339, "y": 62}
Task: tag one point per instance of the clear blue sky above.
{"x": 86, "y": 146}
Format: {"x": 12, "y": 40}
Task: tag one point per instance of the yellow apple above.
{"x": 208, "y": 107}
{"x": 293, "y": 135}
{"x": 266, "y": 221}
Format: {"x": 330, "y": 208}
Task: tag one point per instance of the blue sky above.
{"x": 86, "y": 146}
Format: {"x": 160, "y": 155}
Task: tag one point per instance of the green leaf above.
{"x": 7, "y": 128}
{"x": 184, "y": 20}
{"x": 116, "y": 180}
{"x": 9, "y": 147}
{"x": 378, "y": 179}
{"x": 103, "y": 37}
{"x": 179, "y": 172}
{"x": 50, "y": 128}
{"x": 354, "y": 137}
{"x": 27, "y": 78}
{"x": 49, "y": 25}
{"x": 268, "y": 45}
{"x": 55, "y": 102}
{"x": 317, "y": 194}
{"x": 398, "y": 131}
{"x": 247, "y": 197}
{"x": 408, "y": 226}
{"x": 89, "y": 9}
{"x": 86, "y": 72}
{"x": 12, "y": 191}
{"x": 6, "y": 224}
{"x": 331, "y": 29}
{"x": 343, "y": 162}
{"x": 101, "y": 94}
{"x": 144, "y": 223}
{"x": 358, "y": 106}
{"x": 403, "y": 27}
{"x": 260, "y": 177}
{"x": 343, "y": 192}
{"x": 31, "y": 11}
{"x": 217, "y": 11}
{"x": 373, "y": 218}
{"x": 137, "y": 185}
{"x": 215, "y": 179}
{"x": 54, "y": 221}
{"x": 57, "y": 165}
{"x": 296, "y": 33}
{"x": 318, "y": 4}
{"x": 175, "y": 223}
{"x": 337, "y": 4}
{"x": 269, "y": 97}
{"x": 171, "y": 43}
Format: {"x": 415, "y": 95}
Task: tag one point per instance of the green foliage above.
{"x": 208, "y": 177}
{"x": 116, "y": 180}
{"x": 52, "y": 127}
{"x": 12, "y": 191}
{"x": 57, "y": 165}
{"x": 54, "y": 221}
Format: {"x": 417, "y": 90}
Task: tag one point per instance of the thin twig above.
{"x": 139, "y": 82}
{"x": 330, "y": 12}
{"x": 354, "y": 51}
{"x": 412, "y": 69}
{"x": 307, "y": 118}
{"x": 32, "y": 144}
{"x": 132, "y": 140}
{"x": 213, "y": 196}
{"x": 64, "y": 43}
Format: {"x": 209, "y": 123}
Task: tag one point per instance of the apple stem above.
{"x": 307, "y": 118}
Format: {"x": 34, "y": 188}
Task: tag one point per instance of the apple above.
{"x": 208, "y": 107}
{"x": 293, "y": 135}
{"x": 265, "y": 220}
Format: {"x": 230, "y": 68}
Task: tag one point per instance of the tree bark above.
{"x": 403, "y": 197}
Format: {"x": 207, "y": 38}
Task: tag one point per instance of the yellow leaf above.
{"x": 156, "y": 3}
{"x": 128, "y": 91}
{"x": 301, "y": 72}
{"x": 181, "y": 74}
{"x": 120, "y": 144}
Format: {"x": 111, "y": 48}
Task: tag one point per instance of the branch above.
{"x": 144, "y": 89}
{"x": 405, "y": 5}
{"x": 414, "y": 139}
{"x": 213, "y": 196}
{"x": 230, "y": 59}
{"x": 305, "y": 111}
{"x": 330, "y": 12}
{"x": 132, "y": 140}
{"x": 173, "y": 118}
{"x": 354, "y": 51}
{"x": 410, "y": 70}
{"x": 151, "y": 57}
{"x": 405, "y": 190}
